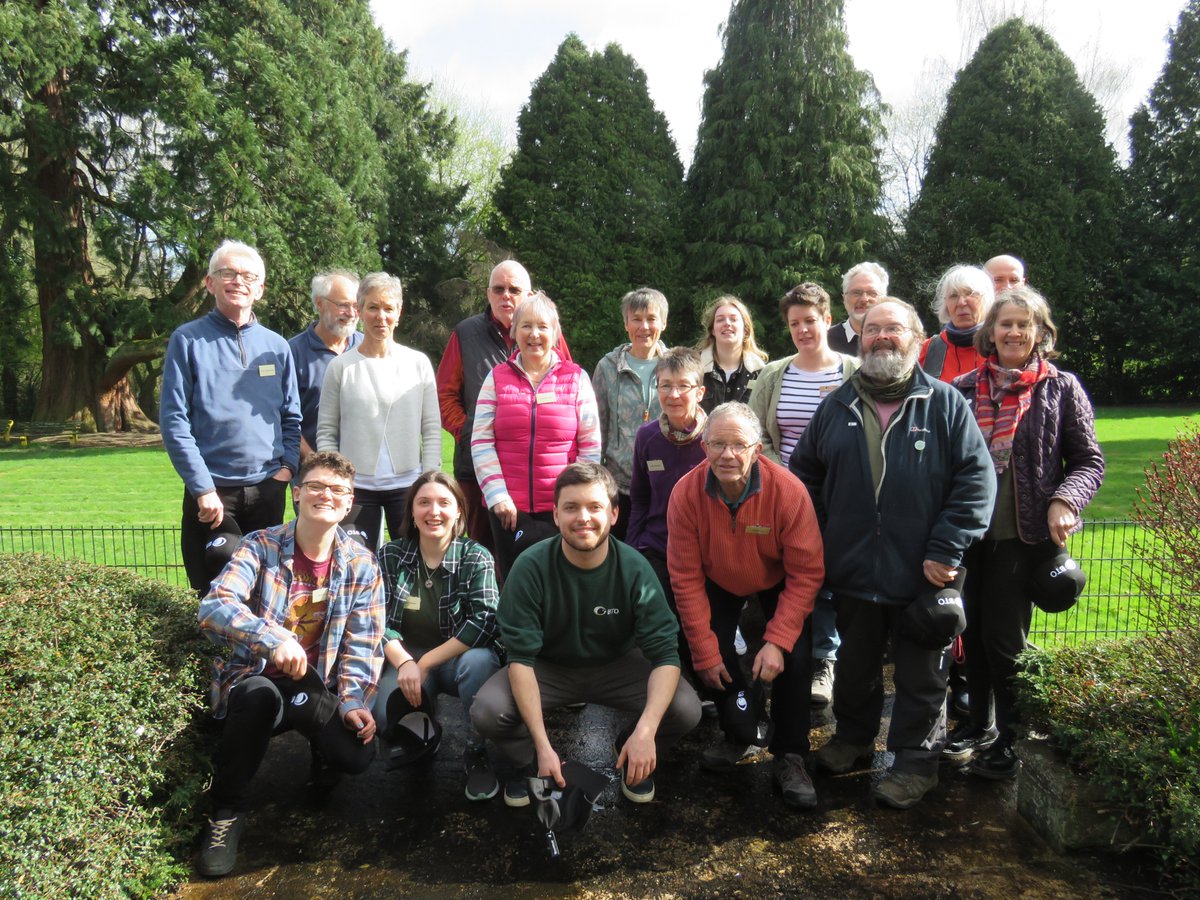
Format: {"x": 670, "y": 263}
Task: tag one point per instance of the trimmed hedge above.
{"x": 1127, "y": 716}
{"x": 101, "y": 677}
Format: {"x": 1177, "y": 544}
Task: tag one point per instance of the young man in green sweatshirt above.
{"x": 584, "y": 620}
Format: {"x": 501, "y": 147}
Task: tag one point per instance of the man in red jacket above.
{"x": 738, "y": 526}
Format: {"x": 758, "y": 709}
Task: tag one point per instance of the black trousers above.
{"x": 531, "y": 528}
{"x": 998, "y": 615}
{"x": 918, "y": 727}
{"x": 373, "y": 507}
{"x": 791, "y": 691}
{"x": 254, "y": 506}
{"x": 259, "y": 709}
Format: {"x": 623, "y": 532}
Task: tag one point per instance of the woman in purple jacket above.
{"x": 663, "y": 452}
{"x": 1038, "y": 423}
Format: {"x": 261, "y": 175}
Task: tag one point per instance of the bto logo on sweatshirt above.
{"x": 606, "y": 611}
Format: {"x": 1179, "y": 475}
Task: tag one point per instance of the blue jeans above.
{"x": 824, "y": 628}
{"x": 461, "y": 677}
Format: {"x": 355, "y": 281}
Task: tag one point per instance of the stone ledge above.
{"x": 1070, "y": 813}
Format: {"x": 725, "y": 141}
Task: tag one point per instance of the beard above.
{"x": 338, "y": 330}
{"x": 890, "y": 364}
{"x": 585, "y": 544}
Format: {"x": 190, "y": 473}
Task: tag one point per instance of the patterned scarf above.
{"x": 683, "y": 437}
{"x": 1002, "y": 396}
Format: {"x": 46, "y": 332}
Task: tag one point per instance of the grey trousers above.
{"x": 918, "y": 728}
{"x": 619, "y": 684}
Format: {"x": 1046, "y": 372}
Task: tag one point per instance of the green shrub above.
{"x": 1127, "y": 713}
{"x": 100, "y": 680}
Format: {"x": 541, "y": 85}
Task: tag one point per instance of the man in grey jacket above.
{"x": 899, "y": 475}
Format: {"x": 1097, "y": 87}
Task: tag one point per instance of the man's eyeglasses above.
{"x": 682, "y": 389}
{"x": 859, "y": 293}
{"x": 511, "y": 291}
{"x": 320, "y": 487}
{"x": 886, "y": 330}
{"x": 346, "y": 309}
{"x": 231, "y": 275}
{"x": 719, "y": 448}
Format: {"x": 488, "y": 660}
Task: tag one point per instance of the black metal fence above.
{"x": 1112, "y": 605}
{"x": 152, "y": 551}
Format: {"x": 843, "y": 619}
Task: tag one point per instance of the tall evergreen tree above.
{"x": 135, "y": 135}
{"x": 785, "y": 182}
{"x": 1162, "y": 238}
{"x": 590, "y": 200}
{"x": 1020, "y": 165}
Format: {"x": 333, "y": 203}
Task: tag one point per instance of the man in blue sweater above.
{"x": 229, "y": 410}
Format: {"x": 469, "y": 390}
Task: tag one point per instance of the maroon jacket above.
{"x": 1055, "y": 453}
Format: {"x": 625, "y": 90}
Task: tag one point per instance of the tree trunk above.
{"x": 76, "y": 384}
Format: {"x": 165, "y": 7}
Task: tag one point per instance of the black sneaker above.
{"x": 482, "y": 783}
{"x": 218, "y": 849}
{"x": 642, "y": 792}
{"x": 516, "y": 788}
{"x": 966, "y": 740}
{"x": 997, "y": 763}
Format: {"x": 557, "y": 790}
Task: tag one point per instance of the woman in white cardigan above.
{"x": 379, "y": 408}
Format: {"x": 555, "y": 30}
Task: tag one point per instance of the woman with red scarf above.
{"x": 1038, "y": 424}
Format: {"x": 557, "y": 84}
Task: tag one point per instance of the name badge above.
{"x": 413, "y": 601}
{"x": 546, "y": 397}
{"x": 758, "y": 529}
{"x": 828, "y": 388}
{"x": 655, "y": 465}
{"x": 267, "y": 370}
{"x": 319, "y": 596}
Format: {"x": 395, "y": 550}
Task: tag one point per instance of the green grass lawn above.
{"x": 1131, "y": 437}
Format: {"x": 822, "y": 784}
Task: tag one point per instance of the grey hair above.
{"x": 735, "y": 410}
{"x": 380, "y": 283}
{"x": 866, "y": 268}
{"x": 956, "y": 278}
{"x": 642, "y": 299}
{"x": 538, "y": 304}
{"x": 1023, "y": 297}
{"x": 322, "y": 284}
{"x": 231, "y": 248}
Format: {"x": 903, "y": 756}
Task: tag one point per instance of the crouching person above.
{"x": 300, "y": 608}
{"x": 441, "y": 628}
{"x": 737, "y": 526}
{"x": 584, "y": 620}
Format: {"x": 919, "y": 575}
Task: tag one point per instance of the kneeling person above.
{"x": 300, "y": 607}
{"x": 584, "y": 619}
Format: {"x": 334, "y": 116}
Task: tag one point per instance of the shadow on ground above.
{"x": 412, "y": 832}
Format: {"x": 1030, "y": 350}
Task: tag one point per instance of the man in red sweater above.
{"x": 737, "y": 526}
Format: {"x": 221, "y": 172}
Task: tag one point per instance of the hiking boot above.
{"x": 790, "y": 779}
{"x": 725, "y": 756}
{"x": 516, "y": 789}
{"x": 997, "y": 763}
{"x": 840, "y": 756}
{"x": 482, "y": 783}
{"x": 960, "y": 704}
{"x": 218, "y": 848}
{"x": 902, "y": 790}
{"x": 967, "y": 739}
{"x": 822, "y": 683}
{"x": 708, "y": 709}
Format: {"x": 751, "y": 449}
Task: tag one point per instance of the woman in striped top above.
{"x": 784, "y": 398}
{"x": 789, "y": 390}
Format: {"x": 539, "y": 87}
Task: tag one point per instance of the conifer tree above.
{"x": 590, "y": 200}
{"x": 1020, "y": 165}
{"x": 1162, "y": 235}
{"x": 785, "y": 183}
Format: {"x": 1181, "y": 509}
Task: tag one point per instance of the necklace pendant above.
{"x": 429, "y": 582}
